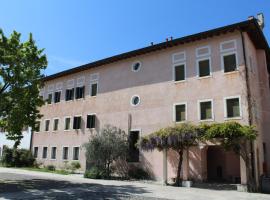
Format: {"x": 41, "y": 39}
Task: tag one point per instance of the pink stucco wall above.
{"x": 158, "y": 92}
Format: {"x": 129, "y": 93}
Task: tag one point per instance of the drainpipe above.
{"x": 249, "y": 104}
{"x": 31, "y": 138}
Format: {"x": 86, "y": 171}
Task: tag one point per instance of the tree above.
{"x": 236, "y": 137}
{"x": 21, "y": 67}
{"x": 105, "y": 148}
{"x": 178, "y": 138}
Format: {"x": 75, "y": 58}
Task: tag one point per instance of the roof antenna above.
{"x": 260, "y": 19}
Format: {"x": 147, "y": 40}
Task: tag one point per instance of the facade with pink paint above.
{"x": 213, "y": 76}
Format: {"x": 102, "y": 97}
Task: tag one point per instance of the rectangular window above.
{"x": 179, "y": 72}
{"x": 65, "y": 153}
{"x": 47, "y": 125}
{"x": 38, "y": 126}
{"x": 69, "y": 94}
{"x": 233, "y": 107}
{"x": 55, "y": 124}
{"x": 76, "y": 153}
{"x": 229, "y": 62}
{"x": 133, "y": 153}
{"x": 53, "y": 153}
{"x": 57, "y": 97}
{"x": 77, "y": 122}
{"x": 35, "y": 152}
{"x": 94, "y": 88}
{"x": 180, "y": 112}
{"x": 206, "y": 110}
{"x": 67, "y": 123}
{"x": 79, "y": 92}
{"x": 204, "y": 67}
{"x": 44, "y": 153}
{"x": 49, "y": 100}
{"x": 91, "y": 121}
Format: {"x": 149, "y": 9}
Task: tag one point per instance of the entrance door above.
{"x": 222, "y": 166}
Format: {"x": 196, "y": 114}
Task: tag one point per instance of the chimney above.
{"x": 171, "y": 38}
{"x": 152, "y": 43}
{"x": 167, "y": 39}
{"x": 260, "y": 19}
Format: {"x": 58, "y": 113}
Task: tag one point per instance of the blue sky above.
{"x": 82, "y": 31}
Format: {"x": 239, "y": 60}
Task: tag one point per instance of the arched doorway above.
{"x": 222, "y": 166}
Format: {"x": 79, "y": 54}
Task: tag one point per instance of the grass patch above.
{"x": 62, "y": 172}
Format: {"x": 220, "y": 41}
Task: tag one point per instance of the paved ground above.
{"x": 22, "y": 184}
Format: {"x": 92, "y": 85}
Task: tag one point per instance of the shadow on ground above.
{"x": 51, "y": 189}
{"x": 215, "y": 186}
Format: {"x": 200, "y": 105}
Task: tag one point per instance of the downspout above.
{"x": 249, "y": 103}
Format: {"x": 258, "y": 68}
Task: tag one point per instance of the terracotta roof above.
{"x": 250, "y": 26}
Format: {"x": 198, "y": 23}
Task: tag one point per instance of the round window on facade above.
{"x": 135, "y": 100}
{"x": 136, "y": 66}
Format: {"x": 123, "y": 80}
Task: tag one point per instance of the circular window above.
{"x": 135, "y": 100}
{"x": 136, "y": 66}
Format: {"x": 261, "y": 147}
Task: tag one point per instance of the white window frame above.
{"x": 199, "y": 110}
{"x": 63, "y": 153}
{"x": 70, "y": 125}
{"x": 95, "y": 121}
{"x": 60, "y": 96}
{"x": 58, "y": 124}
{"x": 185, "y": 68}
{"x": 81, "y": 122}
{"x": 179, "y": 60}
{"x": 203, "y": 55}
{"x": 198, "y": 69}
{"x": 43, "y": 151}
{"x": 45, "y": 125}
{"x": 73, "y": 153}
{"x": 91, "y": 83}
{"x": 225, "y": 107}
{"x": 131, "y": 100}
{"x": 226, "y": 42}
{"x": 52, "y": 100}
{"x": 34, "y": 151}
{"x": 139, "y": 66}
{"x": 222, "y": 61}
{"x": 39, "y": 126}
{"x": 174, "y": 111}
{"x": 55, "y": 153}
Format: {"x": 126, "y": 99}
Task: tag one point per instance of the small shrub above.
{"x": 138, "y": 173}
{"x": 95, "y": 173}
{"x": 17, "y": 158}
{"x": 75, "y": 165}
{"x": 50, "y": 167}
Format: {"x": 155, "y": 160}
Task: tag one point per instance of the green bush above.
{"x": 50, "y": 167}
{"x": 75, "y": 165}
{"x": 138, "y": 173}
{"x": 17, "y": 158}
{"x": 95, "y": 173}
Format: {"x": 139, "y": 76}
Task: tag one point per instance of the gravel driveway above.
{"x": 22, "y": 184}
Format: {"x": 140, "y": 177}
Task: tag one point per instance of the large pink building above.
{"x": 212, "y": 76}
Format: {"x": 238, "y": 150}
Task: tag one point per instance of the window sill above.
{"x": 232, "y": 118}
{"x": 180, "y": 122}
{"x": 232, "y": 72}
{"x": 67, "y": 130}
{"x": 206, "y": 120}
{"x": 176, "y": 82}
{"x": 204, "y": 77}
{"x": 53, "y": 159}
